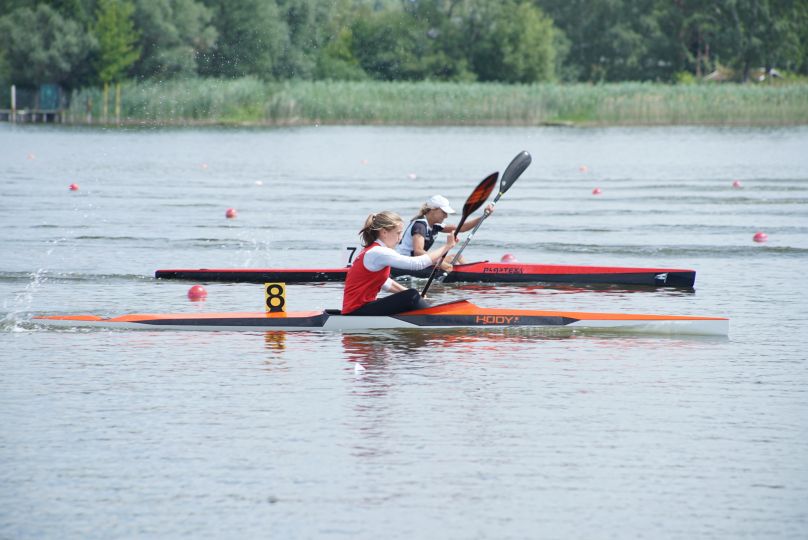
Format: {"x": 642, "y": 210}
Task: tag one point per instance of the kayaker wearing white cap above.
{"x": 423, "y": 228}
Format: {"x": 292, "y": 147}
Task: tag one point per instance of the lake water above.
{"x": 149, "y": 434}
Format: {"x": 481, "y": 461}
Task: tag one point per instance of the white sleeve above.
{"x": 377, "y": 258}
{"x": 388, "y": 285}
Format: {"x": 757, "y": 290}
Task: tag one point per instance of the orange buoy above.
{"x": 508, "y": 258}
{"x": 231, "y": 213}
{"x": 73, "y": 187}
{"x": 737, "y": 184}
{"x": 197, "y": 293}
{"x": 760, "y": 237}
{"x": 596, "y": 191}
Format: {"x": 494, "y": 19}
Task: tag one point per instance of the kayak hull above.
{"x": 460, "y": 314}
{"x": 479, "y": 272}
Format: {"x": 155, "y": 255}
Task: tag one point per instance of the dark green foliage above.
{"x": 174, "y": 33}
{"x": 116, "y": 36}
{"x": 251, "y": 39}
{"x": 510, "y": 41}
{"x": 41, "y": 46}
{"x": 513, "y": 41}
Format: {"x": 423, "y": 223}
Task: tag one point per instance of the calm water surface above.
{"x": 116, "y": 434}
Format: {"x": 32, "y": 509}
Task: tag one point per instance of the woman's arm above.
{"x": 377, "y": 258}
{"x": 393, "y": 286}
{"x": 467, "y": 226}
{"x": 470, "y": 224}
{"x": 418, "y": 245}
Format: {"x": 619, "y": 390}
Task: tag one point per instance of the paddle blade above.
{"x": 514, "y": 170}
{"x": 479, "y": 195}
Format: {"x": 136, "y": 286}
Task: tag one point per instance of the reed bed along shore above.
{"x": 252, "y": 102}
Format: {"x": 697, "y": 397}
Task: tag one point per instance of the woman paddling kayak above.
{"x": 370, "y": 272}
{"x": 424, "y": 228}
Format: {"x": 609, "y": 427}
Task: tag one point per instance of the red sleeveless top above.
{"x": 362, "y": 285}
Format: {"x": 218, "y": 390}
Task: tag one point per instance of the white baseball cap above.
{"x": 439, "y": 201}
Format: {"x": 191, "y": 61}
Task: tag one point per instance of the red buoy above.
{"x": 760, "y": 237}
{"x": 73, "y": 187}
{"x": 596, "y": 191}
{"x": 737, "y": 184}
{"x": 231, "y": 213}
{"x": 197, "y": 293}
{"x": 508, "y": 258}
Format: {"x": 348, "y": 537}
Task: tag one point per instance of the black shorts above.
{"x": 395, "y": 303}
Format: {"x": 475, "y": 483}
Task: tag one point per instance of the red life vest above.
{"x": 362, "y": 285}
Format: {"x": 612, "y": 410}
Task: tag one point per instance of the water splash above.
{"x": 16, "y": 309}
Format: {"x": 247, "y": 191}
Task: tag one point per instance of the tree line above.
{"x": 79, "y": 43}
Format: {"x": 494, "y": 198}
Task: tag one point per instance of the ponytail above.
{"x": 422, "y": 212}
{"x": 376, "y": 222}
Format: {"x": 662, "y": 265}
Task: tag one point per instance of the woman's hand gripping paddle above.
{"x": 515, "y": 169}
{"x": 475, "y": 201}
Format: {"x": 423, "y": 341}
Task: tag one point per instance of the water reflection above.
{"x": 377, "y": 348}
{"x": 275, "y": 341}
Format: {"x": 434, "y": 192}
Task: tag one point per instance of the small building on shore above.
{"x": 43, "y": 104}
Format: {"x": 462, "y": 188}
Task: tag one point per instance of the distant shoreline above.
{"x": 250, "y": 102}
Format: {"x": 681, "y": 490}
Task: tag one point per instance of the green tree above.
{"x": 446, "y": 55}
{"x": 174, "y": 35}
{"x": 612, "y": 40}
{"x": 81, "y": 11}
{"x": 117, "y": 39}
{"x": 337, "y": 61}
{"x": 764, "y": 33}
{"x": 513, "y": 42}
{"x": 251, "y": 38}
{"x": 41, "y": 46}
{"x": 390, "y": 45}
{"x": 308, "y": 31}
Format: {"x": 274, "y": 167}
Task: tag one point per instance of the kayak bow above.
{"x": 460, "y": 314}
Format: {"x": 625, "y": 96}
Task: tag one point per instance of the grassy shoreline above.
{"x": 252, "y": 102}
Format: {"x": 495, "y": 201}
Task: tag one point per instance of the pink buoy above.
{"x": 197, "y": 293}
{"x": 760, "y": 237}
{"x": 737, "y": 184}
{"x": 508, "y": 258}
{"x": 583, "y": 169}
{"x": 231, "y": 213}
{"x": 73, "y": 187}
{"x": 596, "y": 191}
